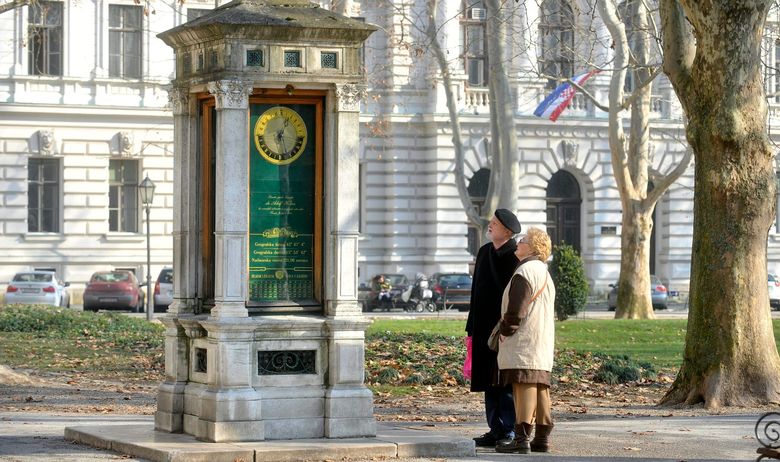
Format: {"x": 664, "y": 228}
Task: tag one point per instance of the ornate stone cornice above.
{"x": 179, "y": 98}
{"x": 348, "y": 96}
{"x": 231, "y": 94}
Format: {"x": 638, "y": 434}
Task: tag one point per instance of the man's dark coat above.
{"x": 492, "y": 272}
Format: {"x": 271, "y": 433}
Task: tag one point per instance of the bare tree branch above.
{"x": 13, "y": 4}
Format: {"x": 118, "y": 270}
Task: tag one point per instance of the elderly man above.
{"x": 493, "y": 269}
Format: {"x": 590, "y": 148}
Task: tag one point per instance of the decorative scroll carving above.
{"x": 179, "y": 99}
{"x": 569, "y": 151}
{"x": 125, "y": 143}
{"x": 45, "y": 142}
{"x": 348, "y": 96}
{"x": 286, "y": 362}
{"x": 231, "y": 94}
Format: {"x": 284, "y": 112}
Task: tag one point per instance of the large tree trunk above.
{"x": 634, "y": 300}
{"x": 730, "y": 354}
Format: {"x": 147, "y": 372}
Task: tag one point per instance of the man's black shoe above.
{"x": 485, "y": 441}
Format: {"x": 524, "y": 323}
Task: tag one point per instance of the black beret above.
{"x": 508, "y": 219}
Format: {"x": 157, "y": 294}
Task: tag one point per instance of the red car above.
{"x": 113, "y": 290}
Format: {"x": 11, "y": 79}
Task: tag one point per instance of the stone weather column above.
{"x": 348, "y": 403}
{"x": 170, "y": 396}
{"x": 231, "y": 223}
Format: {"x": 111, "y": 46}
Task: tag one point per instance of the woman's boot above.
{"x": 519, "y": 444}
{"x": 541, "y": 441}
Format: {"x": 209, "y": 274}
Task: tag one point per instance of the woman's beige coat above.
{"x": 532, "y": 346}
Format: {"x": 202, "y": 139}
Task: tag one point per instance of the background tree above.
{"x": 631, "y": 157}
{"x": 712, "y": 56}
{"x": 504, "y": 166}
{"x": 632, "y": 33}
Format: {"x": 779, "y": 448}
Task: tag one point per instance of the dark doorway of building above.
{"x": 563, "y": 209}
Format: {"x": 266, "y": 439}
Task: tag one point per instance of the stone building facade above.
{"x": 84, "y": 116}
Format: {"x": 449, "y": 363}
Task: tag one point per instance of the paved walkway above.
{"x": 27, "y": 437}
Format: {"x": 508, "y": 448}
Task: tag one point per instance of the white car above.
{"x": 773, "y": 286}
{"x": 163, "y": 290}
{"x": 37, "y": 288}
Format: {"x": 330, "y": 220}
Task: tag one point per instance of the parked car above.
{"x": 37, "y": 288}
{"x": 452, "y": 290}
{"x": 773, "y": 284}
{"x": 114, "y": 290}
{"x": 398, "y": 283}
{"x": 658, "y": 294}
{"x": 163, "y": 290}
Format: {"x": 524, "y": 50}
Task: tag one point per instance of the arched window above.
{"x": 556, "y": 37}
{"x": 474, "y": 46}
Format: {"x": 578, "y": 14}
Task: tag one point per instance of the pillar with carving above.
{"x": 231, "y": 222}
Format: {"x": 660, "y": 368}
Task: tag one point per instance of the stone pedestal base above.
{"x": 269, "y": 378}
{"x": 170, "y": 407}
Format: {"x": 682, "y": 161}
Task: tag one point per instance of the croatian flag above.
{"x": 559, "y": 99}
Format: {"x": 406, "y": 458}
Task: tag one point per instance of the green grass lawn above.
{"x": 399, "y": 352}
{"x": 659, "y": 341}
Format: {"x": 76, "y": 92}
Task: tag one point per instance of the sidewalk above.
{"x": 27, "y": 437}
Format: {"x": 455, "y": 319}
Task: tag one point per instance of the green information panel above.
{"x": 281, "y": 203}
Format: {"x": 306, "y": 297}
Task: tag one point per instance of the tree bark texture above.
{"x": 730, "y": 356}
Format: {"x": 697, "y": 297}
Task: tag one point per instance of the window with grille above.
{"x": 329, "y": 60}
{"x": 43, "y": 195}
{"x": 292, "y": 58}
{"x": 124, "y": 41}
{"x": 474, "y": 46}
{"x": 45, "y": 38}
{"x": 556, "y": 36}
{"x": 123, "y": 195}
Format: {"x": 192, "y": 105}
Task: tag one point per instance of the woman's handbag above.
{"x": 495, "y": 335}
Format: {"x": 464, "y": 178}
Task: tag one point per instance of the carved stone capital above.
{"x": 179, "y": 99}
{"x": 569, "y": 151}
{"x": 348, "y": 96}
{"x": 231, "y": 94}
{"x": 46, "y": 143}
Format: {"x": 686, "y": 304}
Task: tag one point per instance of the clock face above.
{"x": 280, "y": 135}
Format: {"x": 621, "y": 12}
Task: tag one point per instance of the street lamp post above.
{"x": 147, "y": 196}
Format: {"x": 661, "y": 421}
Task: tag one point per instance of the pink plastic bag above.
{"x": 467, "y": 362}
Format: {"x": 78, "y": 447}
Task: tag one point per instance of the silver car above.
{"x": 163, "y": 290}
{"x": 37, "y": 288}
{"x": 658, "y": 294}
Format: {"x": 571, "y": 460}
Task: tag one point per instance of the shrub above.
{"x": 123, "y": 331}
{"x": 571, "y": 286}
{"x": 623, "y": 369}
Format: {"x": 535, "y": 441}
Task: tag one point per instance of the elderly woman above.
{"x": 525, "y": 354}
